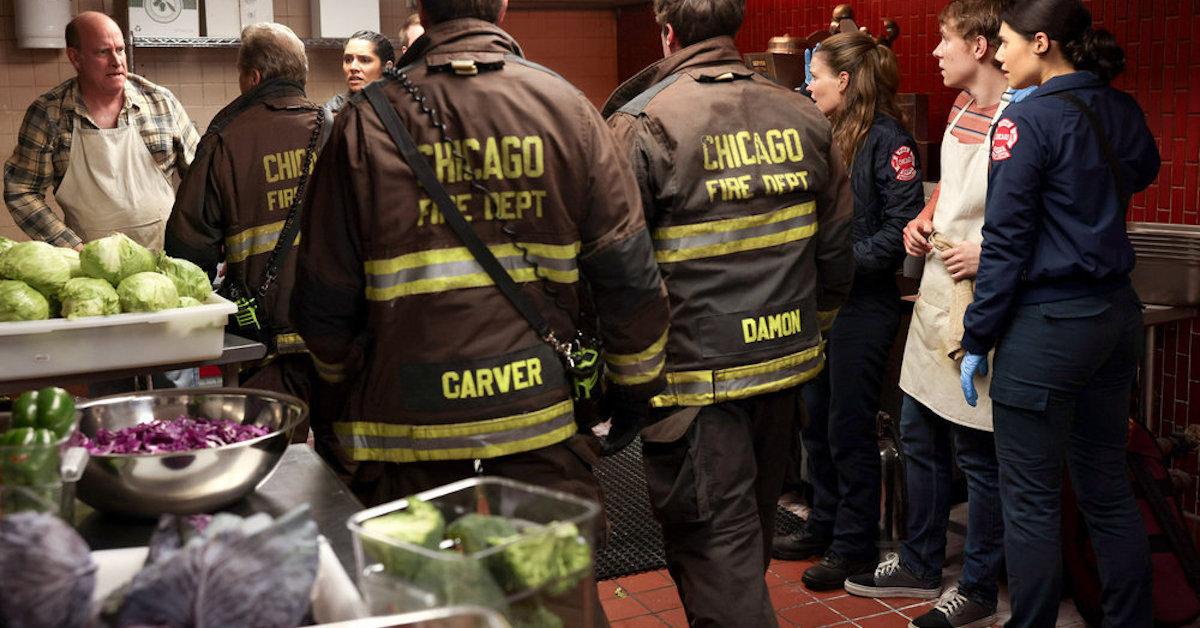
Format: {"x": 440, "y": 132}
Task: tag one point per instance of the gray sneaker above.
{"x": 891, "y": 579}
{"x": 956, "y": 610}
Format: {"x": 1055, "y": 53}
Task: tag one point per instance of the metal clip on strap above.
{"x": 463, "y": 67}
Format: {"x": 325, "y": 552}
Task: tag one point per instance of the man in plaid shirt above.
{"x": 109, "y": 143}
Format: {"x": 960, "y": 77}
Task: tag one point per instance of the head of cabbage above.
{"x": 115, "y": 257}
{"x": 38, "y": 264}
{"x": 19, "y": 302}
{"x": 5, "y": 244}
{"x": 189, "y": 279}
{"x": 147, "y": 292}
{"x": 189, "y": 302}
{"x": 85, "y": 296}
{"x": 72, "y": 257}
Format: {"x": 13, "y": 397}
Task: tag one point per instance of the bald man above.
{"x": 109, "y": 144}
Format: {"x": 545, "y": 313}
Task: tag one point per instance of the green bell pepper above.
{"x": 27, "y": 436}
{"x": 48, "y": 408}
{"x": 28, "y": 457}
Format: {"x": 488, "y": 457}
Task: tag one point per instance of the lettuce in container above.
{"x": 19, "y": 302}
{"x": 38, "y": 264}
{"x": 85, "y": 296}
{"x": 147, "y": 292}
{"x": 115, "y": 257}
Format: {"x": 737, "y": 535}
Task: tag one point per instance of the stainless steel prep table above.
{"x": 301, "y": 477}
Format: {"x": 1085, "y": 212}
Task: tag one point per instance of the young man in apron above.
{"x": 934, "y": 413}
{"x": 107, "y": 141}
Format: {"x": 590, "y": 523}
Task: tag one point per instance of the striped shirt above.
{"x": 43, "y": 149}
{"x": 973, "y": 127}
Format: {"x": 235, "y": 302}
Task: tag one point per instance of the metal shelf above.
{"x": 222, "y": 42}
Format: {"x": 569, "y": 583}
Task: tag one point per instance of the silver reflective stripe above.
{"x": 722, "y": 237}
{"x": 649, "y": 366}
{"x": 731, "y": 387}
{"x": 691, "y": 388}
{"x": 359, "y": 441}
{"x": 464, "y": 268}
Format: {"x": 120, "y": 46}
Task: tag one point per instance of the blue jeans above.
{"x": 1060, "y": 394}
{"x": 929, "y": 473}
{"x": 840, "y": 438}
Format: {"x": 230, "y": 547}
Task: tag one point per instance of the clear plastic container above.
{"x": 58, "y": 346}
{"x": 39, "y": 477}
{"x": 452, "y": 617}
{"x": 540, "y": 576}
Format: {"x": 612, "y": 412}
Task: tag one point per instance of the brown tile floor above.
{"x": 650, "y": 599}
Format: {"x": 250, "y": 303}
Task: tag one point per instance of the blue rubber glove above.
{"x": 972, "y": 365}
{"x": 808, "y": 55}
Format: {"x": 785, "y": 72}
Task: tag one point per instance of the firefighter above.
{"x": 446, "y": 377}
{"x": 233, "y": 203}
{"x": 854, "y": 83}
{"x": 1053, "y": 296}
{"x": 733, "y": 196}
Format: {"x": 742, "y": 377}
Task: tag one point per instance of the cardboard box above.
{"x": 164, "y": 18}
{"x": 255, "y": 11}
{"x": 222, "y": 18}
{"x": 342, "y": 18}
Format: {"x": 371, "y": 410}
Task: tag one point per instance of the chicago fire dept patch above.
{"x": 1004, "y": 139}
{"x": 904, "y": 163}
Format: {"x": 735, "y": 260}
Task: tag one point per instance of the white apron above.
{"x": 113, "y": 184}
{"x": 928, "y": 374}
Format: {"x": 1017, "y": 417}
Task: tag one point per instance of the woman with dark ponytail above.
{"x": 855, "y": 80}
{"x": 1053, "y": 297}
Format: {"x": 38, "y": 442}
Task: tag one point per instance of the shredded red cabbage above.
{"x": 182, "y": 434}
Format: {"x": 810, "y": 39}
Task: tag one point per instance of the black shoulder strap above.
{"x": 1123, "y": 194}
{"x": 454, "y": 218}
{"x": 291, "y": 224}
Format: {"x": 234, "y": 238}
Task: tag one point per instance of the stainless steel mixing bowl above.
{"x": 185, "y": 482}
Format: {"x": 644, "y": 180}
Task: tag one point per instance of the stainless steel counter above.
{"x": 1152, "y": 317}
{"x": 301, "y": 477}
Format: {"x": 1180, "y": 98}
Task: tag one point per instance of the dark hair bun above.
{"x": 1096, "y": 51}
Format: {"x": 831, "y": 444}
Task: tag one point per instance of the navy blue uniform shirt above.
{"x": 1054, "y": 228}
{"x": 886, "y": 179}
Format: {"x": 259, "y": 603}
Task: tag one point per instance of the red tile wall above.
{"x": 1162, "y": 43}
{"x": 638, "y": 43}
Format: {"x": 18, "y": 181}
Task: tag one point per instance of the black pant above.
{"x": 841, "y": 438}
{"x": 1060, "y": 392}
{"x": 714, "y": 492}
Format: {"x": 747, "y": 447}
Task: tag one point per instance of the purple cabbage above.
{"x": 238, "y": 572}
{"x": 176, "y": 435}
{"x": 46, "y": 573}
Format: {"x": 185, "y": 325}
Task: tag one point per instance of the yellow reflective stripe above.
{"x": 463, "y": 453}
{"x": 462, "y": 254}
{"x": 444, "y": 284}
{"x": 686, "y": 388}
{"x": 673, "y": 397}
{"x": 632, "y": 369}
{"x": 643, "y": 377}
{"x": 289, "y": 343}
{"x": 254, "y": 241}
{"x": 737, "y": 246}
{"x": 474, "y": 428}
{"x": 441, "y": 270}
{"x": 332, "y": 373}
{"x": 825, "y": 319}
{"x": 734, "y": 224}
{"x": 477, "y": 439}
{"x": 629, "y": 359}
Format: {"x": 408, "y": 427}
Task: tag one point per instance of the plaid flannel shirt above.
{"x": 44, "y": 148}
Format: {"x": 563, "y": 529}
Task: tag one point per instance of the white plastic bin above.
{"x": 58, "y": 346}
